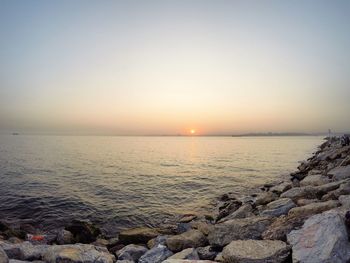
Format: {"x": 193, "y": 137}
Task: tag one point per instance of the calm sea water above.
{"x": 131, "y": 181}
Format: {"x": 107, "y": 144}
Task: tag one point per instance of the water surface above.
{"x": 131, "y": 181}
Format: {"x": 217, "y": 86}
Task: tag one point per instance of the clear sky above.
{"x": 166, "y": 67}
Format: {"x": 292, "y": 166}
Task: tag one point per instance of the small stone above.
{"x": 207, "y": 253}
{"x": 64, "y": 237}
{"x": 188, "y": 253}
{"x": 282, "y": 187}
{"x": 266, "y": 198}
{"x": 278, "y": 207}
{"x": 242, "y": 212}
{"x": 131, "y": 252}
{"x": 139, "y": 235}
{"x": 159, "y": 240}
{"x": 187, "y": 218}
{"x": 189, "y": 239}
{"x": 156, "y": 255}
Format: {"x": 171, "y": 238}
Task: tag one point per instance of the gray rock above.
{"x": 314, "y": 208}
{"x": 242, "y": 212}
{"x": 189, "y": 239}
{"x": 345, "y": 201}
{"x": 24, "y": 251}
{"x": 344, "y": 189}
{"x": 207, "y": 253}
{"x": 131, "y": 252}
{"x": 282, "y": 187}
{"x": 3, "y": 256}
{"x": 314, "y": 180}
{"x": 156, "y": 255}
{"x": 159, "y": 240}
{"x": 187, "y": 261}
{"x": 323, "y": 239}
{"x": 299, "y": 192}
{"x": 278, "y": 207}
{"x": 64, "y": 237}
{"x": 235, "y": 229}
{"x": 22, "y": 261}
{"x": 188, "y": 253}
{"x": 256, "y": 251}
{"x": 140, "y": 235}
{"x": 78, "y": 253}
{"x": 340, "y": 173}
{"x": 265, "y": 198}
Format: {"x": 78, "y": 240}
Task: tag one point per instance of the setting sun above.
{"x": 192, "y": 131}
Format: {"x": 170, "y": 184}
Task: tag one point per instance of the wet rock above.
{"x": 226, "y": 208}
{"x": 314, "y": 208}
{"x": 345, "y": 201}
{"x": 266, "y": 198}
{"x": 235, "y": 229}
{"x": 314, "y": 180}
{"x": 323, "y": 238}
{"x": 188, "y": 253}
{"x": 202, "y": 226}
{"x": 8, "y": 231}
{"x": 282, "y": 187}
{"x": 340, "y": 173}
{"x": 64, "y": 237}
{"x": 296, "y": 193}
{"x": 242, "y": 212}
{"x": 183, "y": 227}
{"x": 24, "y": 251}
{"x": 189, "y": 239}
{"x": 278, "y": 207}
{"x": 207, "y": 253}
{"x": 257, "y": 251}
{"x": 131, "y": 252}
{"x": 279, "y": 229}
{"x": 159, "y": 240}
{"x": 83, "y": 232}
{"x": 78, "y": 253}
{"x": 156, "y": 255}
{"x": 139, "y": 235}
{"x": 3, "y": 256}
{"x": 187, "y": 218}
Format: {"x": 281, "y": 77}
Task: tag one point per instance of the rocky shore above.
{"x": 303, "y": 218}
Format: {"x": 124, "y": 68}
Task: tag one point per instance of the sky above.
{"x": 172, "y": 66}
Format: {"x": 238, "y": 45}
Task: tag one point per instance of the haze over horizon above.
{"x": 169, "y": 67}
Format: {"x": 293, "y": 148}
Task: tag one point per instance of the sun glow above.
{"x": 192, "y": 131}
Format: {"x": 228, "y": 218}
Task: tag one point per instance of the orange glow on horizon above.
{"x": 192, "y": 131}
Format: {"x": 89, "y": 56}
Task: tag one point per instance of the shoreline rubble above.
{"x": 302, "y": 218}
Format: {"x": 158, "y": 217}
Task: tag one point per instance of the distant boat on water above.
{"x": 15, "y": 133}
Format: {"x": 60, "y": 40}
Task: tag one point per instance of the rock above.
{"x": 266, "y": 198}
{"x": 278, "y": 207}
{"x": 159, "y": 240}
{"x": 183, "y": 227}
{"x": 345, "y": 201}
{"x": 14, "y": 240}
{"x": 323, "y": 238}
{"x": 207, "y": 253}
{"x": 346, "y": 161}
{"x": 100, "y": 242}
{"x": 282, "y": 187}
{"x": 235, "y": 229}
{"x": 8, "y": 231}
{"x": 188, "y": 253}
{"x": 279, "y": 229}
{"x": 187, "y": 218}
{"x": 24, "y": 251}
{"x": 242, "y": 212}
{"x": 3, "y": 256}
{"x": 257, "y": 251}
{"x": 314, "y": 180}
{"x": 189, "y": 239}
{"x": 187, "y": 261}
{"x": 131, "y": 252}
{"x": 340, "y": 173}
{"x": 302, "y": 202}
{"x": 22, "y": 261}
{"x": 139, "y": 235}
{"x": 156, "y": 255}
{"x": 314, "y": 208}
{"x": 227, "y": 208}
{"x": 64, "y": 237}
{"x": 83, "y": 232}
{"x": 78, "y": 253}
{"x": 344, "y": 189}
{"x": 299, "y": 192}
{"x": 202, "y": 226}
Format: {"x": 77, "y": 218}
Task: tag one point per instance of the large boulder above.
{"x": 296, "y": 193}
{"x": 78, "y": 253}
{"x": 266, "y": 198}
{"x": 344, "y": 189}
{"x": 189, "y": 239}
{"x": 235, "y": 229}
{"x": 323, "y": 239}
{"x": 131, "y": 252}
{"x": 242, "y": 212}
{"x": 83, "y": 231}
{"x": 3, "y": 256}
{"x": 188, "y": 253}
{"x": 340, "y": 173}
{"x": 278, "y": 207}
{"x": 140, "y": 235}
{"x": 314, "y": 208}
{"x": 314, "y": 180}
{"x": 227, "y": 207}
{"x": 156, "y": 255}
{"x": 256, "y": 251}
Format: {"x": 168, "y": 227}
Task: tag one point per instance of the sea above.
{"x": 119, "y": 182}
